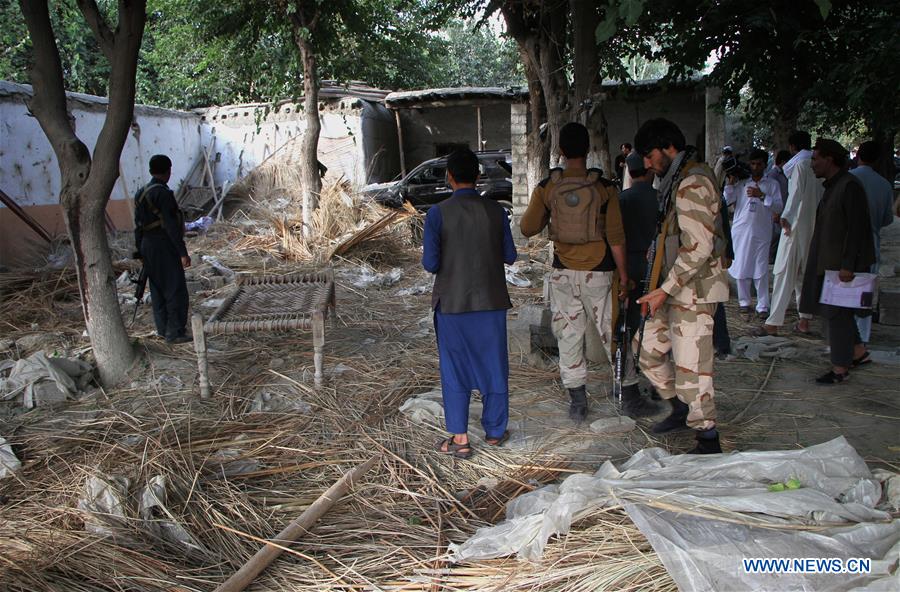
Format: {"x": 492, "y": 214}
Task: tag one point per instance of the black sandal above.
{"x": 498, "y": 441}
{"x": 861, "y": 360}
{"x": 831, "y": 377}
{"x": 448, "y": 446}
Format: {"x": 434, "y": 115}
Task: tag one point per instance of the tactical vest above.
{"x": 673, "y": 233}
{"x": 140, "y": 202}
{"x": 577, "y": 207}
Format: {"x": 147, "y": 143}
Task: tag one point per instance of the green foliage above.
{"x": 476, "y": 56}
{"x": 85, "y": 68}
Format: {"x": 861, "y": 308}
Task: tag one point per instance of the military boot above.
{"x": 634, "y": 404}
{"x": 707, "y": 442}
{"x": 677, "y": 420}
{"x": 579, "y": 405}
{"x": 654, "y": 394}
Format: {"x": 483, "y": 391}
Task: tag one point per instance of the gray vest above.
{"x": 471, "y": 277}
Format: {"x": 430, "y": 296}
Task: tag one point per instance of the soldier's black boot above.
{"x": 707, "y": 442}
{"x": 634, "y": 404}
{"x": 578, "y": 406}
{"x": 677, "y": 420}
{"x": 654, "y": 395}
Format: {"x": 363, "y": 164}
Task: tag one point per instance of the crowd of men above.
{"x": 657, "y": 255}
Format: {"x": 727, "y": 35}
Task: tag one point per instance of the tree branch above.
{"x": 48, "y": 102}
{"x": 104, "y": 35}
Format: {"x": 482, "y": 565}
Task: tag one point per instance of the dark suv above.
{"x": 427, "y": 184}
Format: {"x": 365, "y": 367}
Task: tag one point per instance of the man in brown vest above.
{"x": 582, "y": 210}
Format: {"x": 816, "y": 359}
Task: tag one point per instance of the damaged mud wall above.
{"x": 29, "y": 173}
{"x": 357, "y": 141}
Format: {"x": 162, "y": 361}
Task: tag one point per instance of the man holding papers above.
{"x": 842, "y": 242}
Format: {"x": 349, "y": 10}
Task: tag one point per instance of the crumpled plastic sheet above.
{"x": 201, "y": 224}
{"x": 157, "y": 518}
{"x": 428, "y": 409}
{"x": 768, "y": 346}
{"x": 9, "y": 462}
{"x": 366, "y": 277}
{"x": 514, "y": 274}
{"x": 70, "y": 376}
{"x": 104, "y": 502}
{"x": 704, "y": 513}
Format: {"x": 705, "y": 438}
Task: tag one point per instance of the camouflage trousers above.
{"x": 687, "y": 332}
{"x": 579, "y": 301}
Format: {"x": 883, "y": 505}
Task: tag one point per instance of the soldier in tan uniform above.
{"x": 582, "y": 209}
{"x": 691, "y": 282}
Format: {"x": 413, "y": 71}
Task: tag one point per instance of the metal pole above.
{"x": 400, "y": 141}
{"x": 480, "y": 130}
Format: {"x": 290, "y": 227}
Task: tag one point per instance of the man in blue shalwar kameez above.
{"x": 467, "y": 240}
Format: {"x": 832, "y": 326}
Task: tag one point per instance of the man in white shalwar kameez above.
{"x": 797, "y": 222}
{"x": 756, "y": 200}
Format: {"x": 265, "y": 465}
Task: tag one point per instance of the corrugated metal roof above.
{"x": 409, "y": 98}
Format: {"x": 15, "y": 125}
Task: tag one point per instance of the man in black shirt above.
{"x": 159, "y": 238}
{"x": 640, "y": 207}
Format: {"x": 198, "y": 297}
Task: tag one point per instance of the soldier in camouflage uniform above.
{"x": 691, "y": 283}
{"x": 585, "y": 225}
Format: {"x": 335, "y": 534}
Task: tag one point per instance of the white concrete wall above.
{"x": 28, "y": 168}
{"x": 244, "y": 137}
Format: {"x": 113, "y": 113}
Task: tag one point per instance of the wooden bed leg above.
{"x": 318, "y": 327}
{"x": 200, "y": 348}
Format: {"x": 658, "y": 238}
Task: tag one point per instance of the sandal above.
{"x": 796, "y": 329}
{"x": 497, "y": 441}
{"x": 448, "y": 446}
{"x": 831, "y": 377}
{"x": 861, "y": 360}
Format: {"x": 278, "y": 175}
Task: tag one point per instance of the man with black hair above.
{"x": 842, "y": 241}
{"x": 756, "y": 200}
{"x": 466, "y": 242}
{"x": 797, "y": 221}
{"x": 687, "y": 284}
{"x": 582, "y": 210}
{"x": 639, "y": 205}
{"x": 881, "y": 201}
{"x": 159, "y": 239}
{"x": 622, "y": 172}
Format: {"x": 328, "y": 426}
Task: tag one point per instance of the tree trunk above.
{"x": 588, "y": 83}
{"x": 551, "y": 43}
{"x": 309, "y": 163}
{"x": 884, "y": 166}
{"x": 86, "y": 182}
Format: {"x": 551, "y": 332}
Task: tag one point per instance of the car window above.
{"x": 429, "y": 175}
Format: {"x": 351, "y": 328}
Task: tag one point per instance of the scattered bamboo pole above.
{"x": 265, "y": 556}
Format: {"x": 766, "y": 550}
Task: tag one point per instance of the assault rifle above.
{"x": 656, "y": 251}
{"x": 623, "y": 338}
{"x": 140, "y": 286}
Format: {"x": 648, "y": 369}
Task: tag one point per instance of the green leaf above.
{"x": 824, "y": 7}
{"x": 631, "y": 11}
{"x": 607, "y": 28}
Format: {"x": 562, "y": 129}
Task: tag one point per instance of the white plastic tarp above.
{"x": 704, "y": 514}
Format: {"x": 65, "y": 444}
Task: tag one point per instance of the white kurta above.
{"x": 804, "y": 194}
{"x": 751, "y": 229}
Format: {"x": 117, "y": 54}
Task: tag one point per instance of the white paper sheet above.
{"x": 857, "y": 293}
